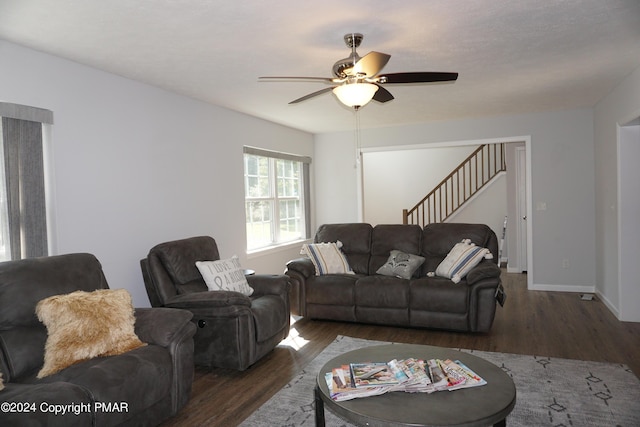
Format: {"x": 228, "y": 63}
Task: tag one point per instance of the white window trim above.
{"x": 306, "y": 195}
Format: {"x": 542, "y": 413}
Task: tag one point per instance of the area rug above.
{"x": 550, "y": 392}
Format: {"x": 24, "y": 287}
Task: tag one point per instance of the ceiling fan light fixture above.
{"x": 355, "y": 95}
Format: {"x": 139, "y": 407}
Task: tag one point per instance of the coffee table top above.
{"x": 470, "y": 407}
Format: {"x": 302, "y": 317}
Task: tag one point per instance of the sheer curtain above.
{"x": 23, "y": 215}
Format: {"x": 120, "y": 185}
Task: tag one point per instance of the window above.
{"x": 276, "y": 188}
{"x": 23, "y": 215}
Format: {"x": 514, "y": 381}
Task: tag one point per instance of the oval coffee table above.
{"x": 471, "y": 407}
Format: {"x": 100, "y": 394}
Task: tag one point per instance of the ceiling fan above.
{"x": 356, "y": 80}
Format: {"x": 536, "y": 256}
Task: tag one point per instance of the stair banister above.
{"x": 459, "y": 186}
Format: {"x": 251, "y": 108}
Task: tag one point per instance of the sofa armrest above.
{"x": 174, "y": 330}
{"x": 486, "y": 269}
{"x": 162, "y": 326}
{"x": 299, "y": 270}
{"x": 264, "y": 284}
{"x": 303, "y": 266}
{"x": 208, "y": 299}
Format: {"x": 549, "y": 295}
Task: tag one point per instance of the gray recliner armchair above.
{"x": 234, "y": 331}
{"x": 147, "y": 385}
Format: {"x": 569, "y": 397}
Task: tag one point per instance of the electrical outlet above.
{"x": 565, "y": 263}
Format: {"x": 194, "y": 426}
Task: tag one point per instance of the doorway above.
{"x": 389, "y": 156}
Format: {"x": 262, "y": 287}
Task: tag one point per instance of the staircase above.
{"x": 469, "y": 177}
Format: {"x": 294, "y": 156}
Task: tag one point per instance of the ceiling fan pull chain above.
{"x": 357, "y": 137}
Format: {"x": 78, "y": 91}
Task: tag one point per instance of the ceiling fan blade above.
{"x": 311, "y": 95}
{"x": 321, "y": 79}
{"x": 417, "y": 77}
{"x": 370, "y": 64}
{"x": 382, "y": 95}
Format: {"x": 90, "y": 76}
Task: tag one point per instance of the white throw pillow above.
{"x": 327, "y": 258}
{"x": 460, "y": 260}
{"x": 224, "y": 275}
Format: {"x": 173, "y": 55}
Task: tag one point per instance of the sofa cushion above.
{"x": 401, "y": 264}
{"x": 356, "y": 241}
{"x": 139, "y": 378}
{"x": 439, "y": 238}
{"x": 438, "y": 295}
{"x": 382, "y": 292}
{"x": 58, "y": 393}
{"x": 337, "y": 289}
{"x": 460, "y": 260}
{"x": 327, "y": 258}
{"x": 83, "y": 325}
{"x": 388, "y": 237}
{"x": 224, "y": 275}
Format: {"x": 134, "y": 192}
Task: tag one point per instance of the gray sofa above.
{"x": 143, "y": 386}
{"x": 421, "y": 301}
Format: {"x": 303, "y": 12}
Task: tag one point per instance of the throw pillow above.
{"x": 460, "y": 260}
{"x": 83, "y": 325}
{"x": 401, "y": 265}
{"x": 224, "y": 275}
{"x": 327, "y": 258}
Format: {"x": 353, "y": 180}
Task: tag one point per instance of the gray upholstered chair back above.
{"x": 23, "y": 284}
{"x": 170, "y": 268}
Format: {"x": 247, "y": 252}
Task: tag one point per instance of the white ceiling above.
{"x": 513, "y": 56}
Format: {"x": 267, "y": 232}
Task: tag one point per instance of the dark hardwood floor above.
{"x": 556, "y": 324}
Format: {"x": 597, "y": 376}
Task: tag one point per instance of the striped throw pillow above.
{"x": 327, "y": 258}
{"x": 460, "y": 260}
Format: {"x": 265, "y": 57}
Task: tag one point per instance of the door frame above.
{"x": 628, "y": 201}
{"x": 522, "y": 215}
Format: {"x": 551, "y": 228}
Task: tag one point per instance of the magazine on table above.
{"x": 341, "y": 388}
{"x": 471, "y": 378}
{"x": 373, "y": 374}
{"x": 411, "y": 375}
{"x": 438, "y": 377}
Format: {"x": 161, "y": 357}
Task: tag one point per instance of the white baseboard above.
{"x": 562, "y": 288}
{"x": 608, "y": 304}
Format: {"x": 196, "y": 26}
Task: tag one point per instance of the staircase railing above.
{"x": 459, "y": 186}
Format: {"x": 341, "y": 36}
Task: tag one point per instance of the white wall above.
{"x": 135, "y": 165}
{"x": 562, "y": 150}
{"x": 396, "y": 180}
{"x": 619, "y": 107}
